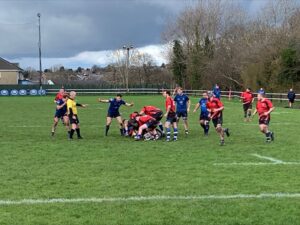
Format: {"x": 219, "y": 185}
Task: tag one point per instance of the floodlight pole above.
{"x": 40, "y": 49}
{"x": 127, "y": 48}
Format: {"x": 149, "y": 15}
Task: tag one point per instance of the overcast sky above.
{"x": 81, "y": 32}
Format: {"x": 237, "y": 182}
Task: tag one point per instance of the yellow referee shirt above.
{"x": 71, "y": 104}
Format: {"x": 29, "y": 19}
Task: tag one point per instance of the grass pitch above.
{"x": 36, "y": 166}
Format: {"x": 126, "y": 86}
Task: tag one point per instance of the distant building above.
{"x": 10, "y": 73}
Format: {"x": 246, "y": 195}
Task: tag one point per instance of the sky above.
{"x": 84, "y": 32}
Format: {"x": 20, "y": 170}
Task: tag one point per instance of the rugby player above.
{"x": 204, "y": 114}
{"x": 146, "y": 122}
{"x": 183, "y": 105}
{"x": 170, "y": 115}
{"x": 155, "y": 112}
{"x": 113, "y": 111}
{"x": 59, "y": 95}
{"x": 215, "y": 108}
{"x": 247, "y": 98}
{"x": 217, "y": 91}
{"x": 264, "y": 107}
{"x": 61, "y": 113}
{"x": 73, "y": 115}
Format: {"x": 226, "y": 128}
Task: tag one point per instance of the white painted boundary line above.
{"x": 272, "y": 163}
{"x": 149, "y": 198}
{"x": 268, "y": 158}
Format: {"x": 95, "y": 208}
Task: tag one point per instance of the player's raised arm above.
{"x": 188, "y": 105}
{"x": 129, "y": 104}
{"x": 103, "y": 100}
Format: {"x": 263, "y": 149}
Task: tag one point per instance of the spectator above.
{"x": 291, "y": 96}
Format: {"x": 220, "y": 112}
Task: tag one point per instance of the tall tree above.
{"x": 178, "y": 64}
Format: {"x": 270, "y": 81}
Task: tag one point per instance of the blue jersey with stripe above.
{"x": 181, "y": 102}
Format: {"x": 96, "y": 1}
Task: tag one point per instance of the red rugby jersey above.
{"x": 215, "y": 103}
{"x": 263, "y": 106}
{"x": 144, "y": 119}
{"x": 170, "y": 102}
{"x": 150, "y": 110}
{"x": 247, "y": 97}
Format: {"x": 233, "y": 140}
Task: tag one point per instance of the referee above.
{"x": 73, "y": 116}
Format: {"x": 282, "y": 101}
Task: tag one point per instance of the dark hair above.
{"x": 168, "y": 92}
{"x": 119, "y": 95}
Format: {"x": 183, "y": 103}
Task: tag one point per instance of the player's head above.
{"x": 248, "y": 89}
{"x": 61, "y": 90}
{"x": 133, "y": 115}
{"x": 210, "y": 95}
{"x": 179, "y": 90}
{"x": 119, "y": 97}
{"x": 260, "y": 96}
{"x": 72, "y": 94}
{"x": 166, "y": 93}
{"x": 291, "y": 89}
{"x": 205, "y": 95}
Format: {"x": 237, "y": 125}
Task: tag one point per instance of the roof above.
{"x": 5, "y": 65}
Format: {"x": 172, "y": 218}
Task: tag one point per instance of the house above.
{"x": 10, "y": 73}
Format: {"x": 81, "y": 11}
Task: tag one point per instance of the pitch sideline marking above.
{"x": 268, "y": 158}
{"x": 148, "y": 198}
{"x": 273, "y": 162}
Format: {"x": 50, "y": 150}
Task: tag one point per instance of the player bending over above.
{"x": 215, "y": 108}
{"x": 155, "y": 112}
{"x": 183, "y": 105}
{"x": 264, "y": 107}
{"x": 204, "y": 114}
{"x": 247, "y": 98}
{"x": 113, "y": 111}
{"x": 73, "y": 115}
{"x": 146, "y": 123}
{"x": 171, "y": 118}
{"x": 61, "y": 113}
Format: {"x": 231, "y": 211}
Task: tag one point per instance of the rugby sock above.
{"x": 78, "y": 132}
{"x": 71, "y": 133}
{"x": 175, "y": 133}
{"x": 161, "y": 127}
{"x": 203, "y": 126}
{"x": 168, "y": 133}
{"x": 121, "y": 131}
{"x": 206, "y": 129}
{"x": 106, "y": 129}
{"x": 249, "y": 113}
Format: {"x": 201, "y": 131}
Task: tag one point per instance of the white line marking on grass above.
{"x": 255, "y": 164}
{"x": 148, "y": 198}
{"x": 268, "y": 158}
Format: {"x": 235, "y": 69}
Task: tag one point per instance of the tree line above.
{"x": 221, "y": 42}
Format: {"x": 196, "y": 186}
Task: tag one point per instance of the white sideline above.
{"x": 268, "y": 158}
{"x": 148, "y": 198}
{"x": 255, "y": 164}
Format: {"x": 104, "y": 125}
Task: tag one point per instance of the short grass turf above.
{"x": 36, "y": 166}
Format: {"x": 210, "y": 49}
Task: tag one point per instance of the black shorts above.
{"x": 171, "y": 118}
{"x": 247, "y": 106}
{"x": 152, "y": 124}
{"x": 264, "y": 120}
{"x": 113, "y": 114}
{"x": 74, "y": 121}
{"x": 60, "y": 115}
{"x": 218, "y": 120}
{"x": 182, "y": 114}
{"x": 158, "y": 116}
{"x": 291, "y": 100}
{"x": 204, "y": 116}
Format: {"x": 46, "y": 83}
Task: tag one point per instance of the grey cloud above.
{"x": 73, "y": 26}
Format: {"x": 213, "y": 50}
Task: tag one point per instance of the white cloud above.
{"x": 90, "y": 58}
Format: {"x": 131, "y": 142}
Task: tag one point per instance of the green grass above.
{"x": 36, "y": 166}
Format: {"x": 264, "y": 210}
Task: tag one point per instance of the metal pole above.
{"x": 40, "y": 49}
{"x": 127, "y": 69}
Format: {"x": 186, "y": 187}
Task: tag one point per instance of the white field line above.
{"x": 255, "y": 164}
{"x": 149, "y": 198}
{"x": 277, "y": 161}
